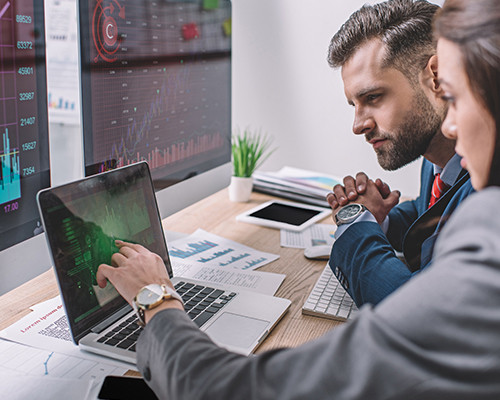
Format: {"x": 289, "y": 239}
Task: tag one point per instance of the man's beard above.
{"x": 412, "y": 138}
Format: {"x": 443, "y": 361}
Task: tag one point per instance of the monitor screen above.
{"x": 24, "y": 149}
{"x": 156, "y": 86}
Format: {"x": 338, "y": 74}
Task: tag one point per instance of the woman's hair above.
{"x": 474, "y": 26}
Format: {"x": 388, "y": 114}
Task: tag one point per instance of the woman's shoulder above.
{"x": 483, "y": 203}
{"x": 476, "y": 220}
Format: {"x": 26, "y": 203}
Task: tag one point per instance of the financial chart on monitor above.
{"x": 24, "y": 149}
{"x": 156, "y": 85}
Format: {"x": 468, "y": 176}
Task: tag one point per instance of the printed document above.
{"x": 316, "y": 235}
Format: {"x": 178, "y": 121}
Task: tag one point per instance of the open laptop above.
{"x": 82, "y": 219}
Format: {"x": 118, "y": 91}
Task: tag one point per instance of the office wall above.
{"x": 283, "y": 84}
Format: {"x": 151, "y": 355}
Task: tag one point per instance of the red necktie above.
{"x": 438, "y": 188}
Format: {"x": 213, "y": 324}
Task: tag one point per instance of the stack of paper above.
{"x": 296, "y": 184}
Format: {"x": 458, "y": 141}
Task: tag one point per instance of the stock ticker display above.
{"x": 156, "y": 85}
{"x": 24, "y": 149}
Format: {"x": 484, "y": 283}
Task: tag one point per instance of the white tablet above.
{"x": 284, "y": 215}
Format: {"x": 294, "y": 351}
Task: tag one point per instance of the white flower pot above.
{"x": 240, "y": 188}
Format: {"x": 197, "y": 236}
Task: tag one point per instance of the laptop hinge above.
{"x": 112, "y": 319}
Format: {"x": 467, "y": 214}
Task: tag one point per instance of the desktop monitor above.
{"x": 24, "y": 148}
{"x": 156, "y": 87}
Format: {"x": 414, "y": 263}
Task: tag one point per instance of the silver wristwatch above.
{"x": 152, "y": 296}
{"x": 349, "y": 213}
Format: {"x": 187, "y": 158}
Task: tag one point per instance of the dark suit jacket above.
{"x": 363, "y": 257}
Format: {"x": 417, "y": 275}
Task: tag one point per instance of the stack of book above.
{"x": 296, "y": 184}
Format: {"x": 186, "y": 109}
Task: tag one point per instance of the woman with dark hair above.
{"x": 469, "y": 43}
{"x": 436, "y": 337}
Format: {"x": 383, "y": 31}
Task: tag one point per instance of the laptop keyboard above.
{"x": 328, "y": 299}
{"x": 124, "y": 336}
{"x": 200, "y": 302}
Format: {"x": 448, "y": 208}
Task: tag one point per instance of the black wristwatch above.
{"x": 349, "y": 213}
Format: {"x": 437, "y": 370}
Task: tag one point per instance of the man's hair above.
{"x": 404, "y": 26}
{"x": 474, "y": 26}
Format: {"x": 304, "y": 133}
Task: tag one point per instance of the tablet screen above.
{"x": 285, "y": 213}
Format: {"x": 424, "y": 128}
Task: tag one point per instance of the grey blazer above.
{"x": 436, "y": 337}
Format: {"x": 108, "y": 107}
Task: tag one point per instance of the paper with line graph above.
{"x": 32, "y": 373}
{"x": 204, "y": 248}
{"x": 46, "y": 327}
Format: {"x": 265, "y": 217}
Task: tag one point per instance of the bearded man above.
{"x": 389, "y": 69}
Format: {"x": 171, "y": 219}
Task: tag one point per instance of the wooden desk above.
{"x": 217, "y": 214}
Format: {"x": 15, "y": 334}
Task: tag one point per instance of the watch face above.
{"x": 147, "y": 296}
{"x": 349, "y": 211}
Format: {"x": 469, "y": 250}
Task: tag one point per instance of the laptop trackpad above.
{"x": 236, "y": 330}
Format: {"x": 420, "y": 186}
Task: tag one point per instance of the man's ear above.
{"x": 430, "y": 76}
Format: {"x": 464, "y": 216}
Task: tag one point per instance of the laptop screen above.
{"x": 82, "y": 221}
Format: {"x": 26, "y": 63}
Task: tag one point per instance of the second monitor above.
{"x": 156, "y": 87}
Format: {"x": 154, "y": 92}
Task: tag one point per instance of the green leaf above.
{"x": 249, "y": 151}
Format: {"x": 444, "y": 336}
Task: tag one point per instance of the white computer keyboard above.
{"x": 328, "y": 299}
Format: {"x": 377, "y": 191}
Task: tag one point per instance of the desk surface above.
{"x": 217, "y": 214}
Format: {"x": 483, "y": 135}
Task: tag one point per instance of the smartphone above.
{"x": 125, "y": 388}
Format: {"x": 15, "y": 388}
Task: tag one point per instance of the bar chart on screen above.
{"x": 159, "y": 81}
{"x": 10, "y": 179}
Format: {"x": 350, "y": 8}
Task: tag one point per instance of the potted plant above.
{"x": 249, "y": 151}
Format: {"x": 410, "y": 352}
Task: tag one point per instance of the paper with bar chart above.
{"x": 315, "y": 235}
{"x": 204, "y": 248}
